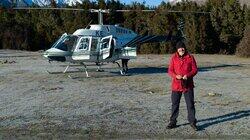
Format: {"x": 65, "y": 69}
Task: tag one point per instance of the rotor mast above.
{"x": 100, "y": 14}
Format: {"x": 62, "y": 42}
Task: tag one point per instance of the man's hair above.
{"x": 180, "y": 44}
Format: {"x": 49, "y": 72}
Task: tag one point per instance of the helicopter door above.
{"x": 105, "y": 46}
{"x": 81, "y": 51}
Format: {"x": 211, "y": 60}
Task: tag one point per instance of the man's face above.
{"x": 181, "y": 51}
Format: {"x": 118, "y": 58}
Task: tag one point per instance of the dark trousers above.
{"x": 125, "y": 65}
{"x": 189, "y": 98}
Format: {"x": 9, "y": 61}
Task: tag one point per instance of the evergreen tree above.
{"x": 243, "y": 48}
{"x": 114, "y": 17}
{"x": 228, "y": 19}
{"x": 101, "y": 4}
{"x": 220, "y": 32}
{"x": 247, "y": 15}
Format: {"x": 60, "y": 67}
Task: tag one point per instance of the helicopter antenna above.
{"x": 88, "y": 24}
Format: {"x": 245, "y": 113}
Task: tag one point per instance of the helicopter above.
{"x": 99, "y": 43}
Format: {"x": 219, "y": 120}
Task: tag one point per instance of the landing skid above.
{"x": 60, "y": 72}
{"x": 66, "y": 70}
{"x": 99, "y": 69}
{"x": 121, "y": 70}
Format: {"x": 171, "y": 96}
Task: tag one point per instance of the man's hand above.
{"x": 179, "y": 77}
{"x": 185, "y": 77}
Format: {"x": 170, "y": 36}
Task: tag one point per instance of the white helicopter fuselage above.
{"x": 98, "y": 43}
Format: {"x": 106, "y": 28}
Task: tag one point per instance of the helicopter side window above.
{"x": 84, "y": 44}
{"x": 105, "y": 44}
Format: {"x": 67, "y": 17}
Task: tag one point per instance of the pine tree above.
{"x": 228, "y": 20}
{"x": 243, "y": 48}
{"x": 101, "y": 4}
{"x": 114, "y": 17}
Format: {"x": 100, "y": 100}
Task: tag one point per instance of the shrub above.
{"x": 243, "y": 48}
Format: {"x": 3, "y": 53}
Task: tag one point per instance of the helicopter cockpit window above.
{"x": 84, "y": 44}
{"x": 67, "y": 43}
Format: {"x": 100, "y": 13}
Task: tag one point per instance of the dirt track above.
{"x": 35, "y": 104}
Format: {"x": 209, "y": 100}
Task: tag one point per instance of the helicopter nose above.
{"x": 54, "y": 54}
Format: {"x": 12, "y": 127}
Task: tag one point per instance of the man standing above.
{"x": 182, "y": 69}
{"x": 125, "y": 66}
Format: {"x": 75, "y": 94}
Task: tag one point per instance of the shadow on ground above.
{"x": 223, "y": 118}
{"x": 147, "y": 70}
{"x": 155, "y": 70}
{"x": 209, "y": 68}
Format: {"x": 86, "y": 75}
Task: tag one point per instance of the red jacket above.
{"x": 182, "y": 66}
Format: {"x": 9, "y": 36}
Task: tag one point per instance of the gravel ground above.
{"x": 35, "y": 104}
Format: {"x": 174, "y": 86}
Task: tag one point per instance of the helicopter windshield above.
{"x": 66, "y": 43}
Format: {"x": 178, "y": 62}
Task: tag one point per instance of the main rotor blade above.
{"x": 67, "y": 9}
{"x": 135, "y": 10}
{"x": 167, "y": 11}
{"x": 107, "y": 10}
{"x": 187, "y": 12}
{"x": 49, "y": 8}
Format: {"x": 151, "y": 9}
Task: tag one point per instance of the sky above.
{"x": 148, "y": 2}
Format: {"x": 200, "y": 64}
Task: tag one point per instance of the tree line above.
{"x": 220, "y": 31}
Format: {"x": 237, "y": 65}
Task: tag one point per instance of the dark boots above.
{"x": 194, "y": 126}
{"x": 171, "y": 125}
